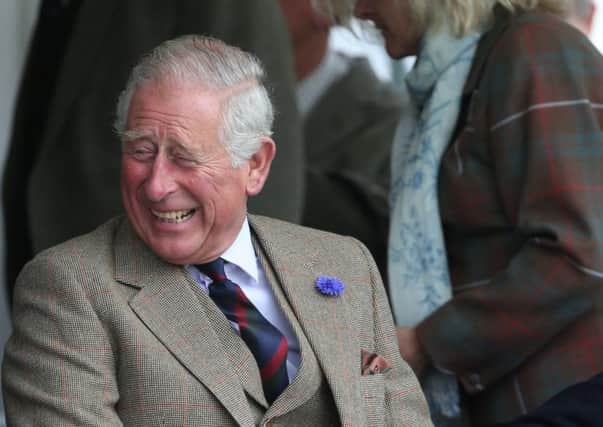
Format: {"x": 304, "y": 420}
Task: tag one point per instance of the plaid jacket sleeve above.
{"x": 58, "y": 366}
{"x": 521, "y": 199}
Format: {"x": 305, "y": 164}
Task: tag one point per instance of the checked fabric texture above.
{"x": 267, "y": 344}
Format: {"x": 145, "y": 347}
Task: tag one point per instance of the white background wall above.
{"x": 16, "y": 21}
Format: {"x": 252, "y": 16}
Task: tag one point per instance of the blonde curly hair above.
{"x": 461, "y": 15}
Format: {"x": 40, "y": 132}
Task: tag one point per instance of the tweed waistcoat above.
{"x": 309, "y": 379}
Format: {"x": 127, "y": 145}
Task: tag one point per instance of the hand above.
{"x": 411, "y": 350}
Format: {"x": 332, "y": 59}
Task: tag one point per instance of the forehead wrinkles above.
{"x": 163, "y": 118}
{"x": 157, "y": 124}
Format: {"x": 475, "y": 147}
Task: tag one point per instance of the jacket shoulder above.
{"x": 538, "y": 33}
{"x": 90, "y": 246}
{"x": 298, "y": 239}
{"x": 272, "y": 228}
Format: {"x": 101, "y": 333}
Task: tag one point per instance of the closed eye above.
{"x": 184, "y": 157}
{"x": 185, "y": 161}
{"x": 141, "y": 151}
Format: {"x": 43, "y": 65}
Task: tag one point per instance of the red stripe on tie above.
{"x": 269, "y": 369}
{"x": 240, "y": 310}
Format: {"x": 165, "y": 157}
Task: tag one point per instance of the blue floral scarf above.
{"x": 418, "y": 270}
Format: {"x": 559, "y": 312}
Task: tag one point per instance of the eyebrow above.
{"x": 130, "y": 135}
{"x": 134, "y": 134}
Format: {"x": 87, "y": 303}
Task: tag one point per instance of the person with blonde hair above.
{"x": 496, "y": 239}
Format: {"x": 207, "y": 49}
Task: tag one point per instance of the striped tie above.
{"x": 267, "y": 344}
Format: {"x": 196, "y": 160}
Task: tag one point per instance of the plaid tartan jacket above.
{"x": 521, "y": 201}
{"x": 107, "y": 334}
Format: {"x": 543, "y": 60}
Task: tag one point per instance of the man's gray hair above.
{"x": 461, "y": 15}
{"x": 247, "y": 112}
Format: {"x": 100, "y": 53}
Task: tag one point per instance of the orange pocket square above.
{"x": 372, "y": 363}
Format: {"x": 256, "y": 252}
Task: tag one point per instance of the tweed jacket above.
{"x": 107, "y": 334}
{"x": 348, "y": 137}
{"x": 521, "y": 201}
{"x": 77, "y": 155}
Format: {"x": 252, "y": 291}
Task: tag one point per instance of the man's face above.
{"x": 180, "y": 191}
{"x": 392, "y": 18}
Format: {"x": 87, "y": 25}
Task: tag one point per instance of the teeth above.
{"x": 173, "y": 216}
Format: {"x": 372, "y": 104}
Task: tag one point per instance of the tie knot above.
{"x": 214, "y": 269}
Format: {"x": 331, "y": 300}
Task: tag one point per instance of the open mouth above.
{"x": 174, "y": 217}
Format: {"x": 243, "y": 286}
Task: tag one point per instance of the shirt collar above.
{"x": 241, "y": 252}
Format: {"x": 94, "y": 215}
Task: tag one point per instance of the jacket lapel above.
{"x": 178, "y": 316}
{"x": 323, "y": 320}
{"x": 308, "y": 377}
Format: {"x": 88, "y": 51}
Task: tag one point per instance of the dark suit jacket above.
{"x": 580, "y": 405}
{"x": 521, "y": 201}
{"x": 67, "y": 183}
{"x": 106, "y": 333}
{"x": 348, "y": 137}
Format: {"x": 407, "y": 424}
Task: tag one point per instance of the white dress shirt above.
{"x": 243, "y": 268}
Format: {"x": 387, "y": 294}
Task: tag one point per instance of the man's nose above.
{"x": 161, "y": 181}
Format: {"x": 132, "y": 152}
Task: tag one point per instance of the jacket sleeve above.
{"x": 59, "y": 364}
{"x": 537, "y": 135}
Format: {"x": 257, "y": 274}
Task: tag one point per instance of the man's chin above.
{"x": 172, "y": 253}
{"x": 393, "y": 52}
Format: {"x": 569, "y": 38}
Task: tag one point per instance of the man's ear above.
{"x": 259, "y": 166}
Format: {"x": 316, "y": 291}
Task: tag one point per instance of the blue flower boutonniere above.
{"x": 330, "y": 286}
